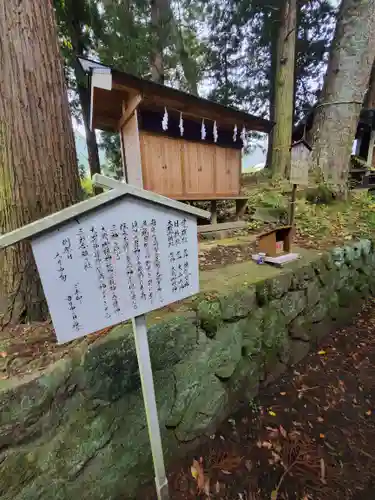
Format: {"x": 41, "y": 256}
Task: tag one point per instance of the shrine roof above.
{"x": 106, "y": 103}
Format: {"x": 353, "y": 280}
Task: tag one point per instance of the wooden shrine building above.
{"x": 174, "y": 143}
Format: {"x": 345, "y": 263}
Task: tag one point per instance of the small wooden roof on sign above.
{"x": 107, "y": 104}
{"x": 304, "y": 142}
{"x": 119, "y": 190}
{"x": 275, "y": 230}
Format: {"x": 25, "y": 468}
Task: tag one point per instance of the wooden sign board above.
{"x": 300, "y": 161}
{"x": 114, "y": 257}
{"x": 125, "y": 259}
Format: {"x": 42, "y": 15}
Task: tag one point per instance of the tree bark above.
{"x": 38, "y": 173}
{"x": 84, "y": 99}
{"x": 91, "y": 142}
{"x": 159, "y": 31}
{"x": 337, "y": 113}
{"x": 188, "y": 64}
{"x": 272, "y": 79}
{"x": 284, "y": 91}
{"x": 369, "y": 103}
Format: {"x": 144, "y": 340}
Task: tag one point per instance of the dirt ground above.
{"x": 309, "y": 436}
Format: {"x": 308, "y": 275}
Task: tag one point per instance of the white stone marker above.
{"x": 114, "y": 257}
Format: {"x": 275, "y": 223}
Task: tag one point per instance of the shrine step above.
{"x": 222, "y": 226}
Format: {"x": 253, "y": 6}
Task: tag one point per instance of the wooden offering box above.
{"x": 276, "y": 242}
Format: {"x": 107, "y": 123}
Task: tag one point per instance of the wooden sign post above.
{"x": 114, "y": 257}
{"x": 299, "y": 171}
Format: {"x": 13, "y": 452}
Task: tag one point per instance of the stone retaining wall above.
{"x": 79, "y": 428}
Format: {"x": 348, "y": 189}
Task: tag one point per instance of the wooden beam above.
{"x": 132, "y": 150}
{"x": 109, "y": 124}
{"x": 123, "y": 158}
{"x": 371, "y": 148}
{"x": 241, "y": 207}
{"x": 157, "y": 95}
{"x": 213, "y": 212}
{"x": 130, "y": 108}
{"x": 207, "y": 197}
{"x": 211, "y": 228}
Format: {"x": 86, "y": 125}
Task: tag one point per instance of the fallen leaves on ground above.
{"x": 197, "y": 472}
{"x": 318, "y": 446}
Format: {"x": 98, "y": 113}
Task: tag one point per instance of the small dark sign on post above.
{"x": 299, "y": 171}
{"x": 300, "y": 160}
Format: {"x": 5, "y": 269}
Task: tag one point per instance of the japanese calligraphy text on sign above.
{"x": 125, "y": 259}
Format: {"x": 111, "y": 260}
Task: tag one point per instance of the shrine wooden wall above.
{"x": 186, "y": 170}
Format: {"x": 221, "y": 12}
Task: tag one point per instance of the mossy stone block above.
{"x": 209, "y": 316}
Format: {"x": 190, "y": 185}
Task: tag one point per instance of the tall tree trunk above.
{"x": 369, "y": 103}
{"x": 187, "y": 62}
{"x": 272, "y": 78}
{"x": 284, "y": 90}
{"x": 159, "y": 32}
{"x": 38, "y": 173}
{"x": 91, "y": 142}
{"x": 226, "y": 73}
{"x": 84, "y": 99}
{"x": 345, "y": 84}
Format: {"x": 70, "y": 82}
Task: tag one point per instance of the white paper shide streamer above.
{"x": 181, "y": 125}
{"x": 215, "y": 134}
{"x": 203, "y": 131}
{"x": 243, "y": 136}
{"x": 235, "y": 131}
{"x": 164, "y": 122}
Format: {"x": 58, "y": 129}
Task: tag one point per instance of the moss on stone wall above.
{"x": 80, "y": 429}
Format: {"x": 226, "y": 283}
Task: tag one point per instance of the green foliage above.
{"x": 320, "y": 194}
{"x": 111, "y": 143}
{"x": 316, "y": 22}
{"x": 312, "y": 220}
{"x": 324, "y": 223}
{"x": 267, "y": 198}
{"x": 241, "y": 54}
{"x": 80, "y": 27}
{"x": 127, "y": 42}
{"x": 339, "y": 220}
{"x": 81, "y": 171}
{"x": 87, "y": 188}
{"x": 254, "y": 225}
{"x": 358, "y": 162}
{"x": 254, "y": 406}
